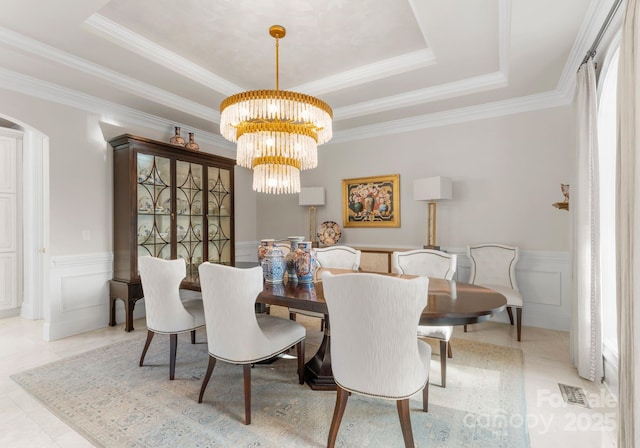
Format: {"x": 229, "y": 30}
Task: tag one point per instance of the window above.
{"x": 607, "y": 141}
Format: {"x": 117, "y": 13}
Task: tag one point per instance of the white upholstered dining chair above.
{"x": 235, "y": 334}
{"x": 494, "y": 266}
{"x": 166, "y": 313}
{"x": 336, "y": 257}
{"x": 436, "y": 264}
{"x": 374, "y": 349}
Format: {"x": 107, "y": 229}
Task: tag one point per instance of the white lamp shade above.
{"x": 311, "y": 196}
{"x": 432, "y": 188}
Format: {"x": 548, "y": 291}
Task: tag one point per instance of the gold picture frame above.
{"x": 371, "y": 201}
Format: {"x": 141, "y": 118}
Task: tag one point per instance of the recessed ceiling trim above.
{"x": 418, "y": 12}
{"x": 114, "y": 78}
{"x": 107, "y": 110}
{"x": 545, "y": 100}
{"x": 443, "y": 91}
{"x": 370, "y": 72}
{"x": 504, "y": 35}
{"x": 134, "y": 42}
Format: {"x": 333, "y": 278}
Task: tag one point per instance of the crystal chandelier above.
{"x": 277, "y": 132}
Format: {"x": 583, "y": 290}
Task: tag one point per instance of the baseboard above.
{"x": 9, "y": 313}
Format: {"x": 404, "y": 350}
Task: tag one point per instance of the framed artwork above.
{"x": 371, "y": 201}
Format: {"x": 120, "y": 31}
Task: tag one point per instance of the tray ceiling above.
{"x": 383, "y": 65}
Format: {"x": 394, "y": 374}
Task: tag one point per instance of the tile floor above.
{"x": 25, "y": 423}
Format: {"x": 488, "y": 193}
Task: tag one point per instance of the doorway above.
{"x": 32, "y": 214}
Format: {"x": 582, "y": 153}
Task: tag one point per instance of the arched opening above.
{"x": 34, "y": 220}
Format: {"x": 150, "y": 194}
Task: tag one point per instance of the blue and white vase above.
{"x": 305, "y": 262}
{"x": 274, "y": 265}
{"x": 291, "y": 267}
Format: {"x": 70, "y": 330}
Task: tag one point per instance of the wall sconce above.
{"x": 564, "y": 205}
{"x": 432, "y": 189}
{"x": 311, "y": 197}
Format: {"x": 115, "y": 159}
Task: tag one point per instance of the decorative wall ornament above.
{"x": 564, "y": 205}
{"x": 371, "y": 201}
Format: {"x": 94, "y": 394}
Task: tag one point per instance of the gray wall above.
{"x": 80, "y": 172}
{"x": 506, "y": 173}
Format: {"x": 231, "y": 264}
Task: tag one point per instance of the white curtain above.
{"x": 627, "y": 224}
{"x": 586, "y": 325}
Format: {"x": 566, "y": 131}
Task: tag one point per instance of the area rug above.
{"x": 107, "y": 398}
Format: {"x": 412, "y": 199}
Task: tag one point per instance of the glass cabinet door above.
{"x": 219, "y": 215}
{"x": 189, "y": 213}
{"x": 154, "y": 206}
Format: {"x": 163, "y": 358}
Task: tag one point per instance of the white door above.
{"x": 10, "y": 224}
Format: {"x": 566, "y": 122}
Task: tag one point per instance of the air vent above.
{"x": 574, "y": 395}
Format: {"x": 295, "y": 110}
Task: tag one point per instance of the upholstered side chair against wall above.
{"x": 435, "y": 264}
{"x": 237, "y": 335}
{"x": 494, "y": 266}
{"x": 166, "y": 313}
{"x": 336, "y": 257}
{"x": 375, "y": 351}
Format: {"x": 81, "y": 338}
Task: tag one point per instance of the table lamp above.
{"x": 312, "y": 197}
{"x": 432, "y": 189}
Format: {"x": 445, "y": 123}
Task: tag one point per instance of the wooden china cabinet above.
{"x": 168, "y": 202}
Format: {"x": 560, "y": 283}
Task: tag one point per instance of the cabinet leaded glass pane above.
{"x": 153, "y": 203}
{"x": 189, "y": 234}
{"x": 219, "y": 215}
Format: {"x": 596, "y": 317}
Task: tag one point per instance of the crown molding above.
{"x": 422, "y": 96}
{"x": 370, "y": 72}
{"x": 114, "y": 113}
{"x": 543, "y": 100}
{"x": 114, "y": 78}
{"x": 108, "y": 111}
{"x": 135, "y": 43}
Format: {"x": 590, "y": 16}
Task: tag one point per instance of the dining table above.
{"x": 448, "y": 303}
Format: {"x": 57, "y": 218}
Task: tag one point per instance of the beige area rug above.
{"x": 106, "y": 397}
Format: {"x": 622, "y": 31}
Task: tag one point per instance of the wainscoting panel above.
{"x": 544, "y": 288}
{"x": 79, "y": 294}
{"x": 544, "y": 279}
